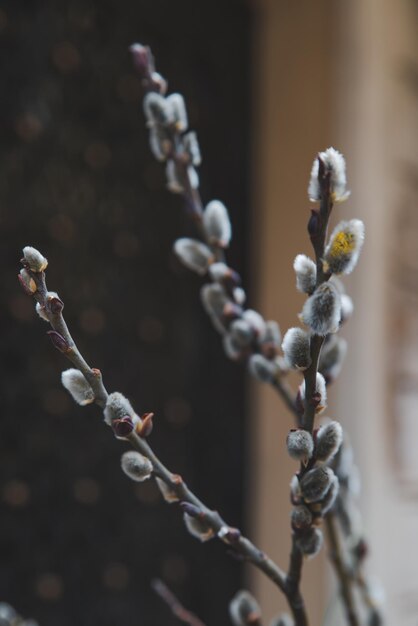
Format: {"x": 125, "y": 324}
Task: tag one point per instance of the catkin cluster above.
{"x": 315, "y": 488}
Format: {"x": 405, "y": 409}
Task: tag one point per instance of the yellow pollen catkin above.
{"x": 343, "y": 243}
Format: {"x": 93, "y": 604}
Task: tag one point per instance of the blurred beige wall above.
{"x": 332, "y": 73}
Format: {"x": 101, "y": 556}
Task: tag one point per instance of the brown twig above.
{"x": 174, "y": 604}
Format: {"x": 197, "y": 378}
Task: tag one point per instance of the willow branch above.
{"x": 175, "y": 606}
{"x": 237, "y": 543}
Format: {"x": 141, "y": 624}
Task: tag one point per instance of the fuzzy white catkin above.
{"x": 74, "y": 382}
{"x": 335, "y": 163}
{"x": 322, "y": 310}
{"x": 311, "y": 543}
{"x": 175, "y": 182}
{"x": 332, "y": 357}
{"x": 217, "y": 224}
{"x": 239, "y": 295}
{"x": 305, "y": 270}
{"x": 214, "y": 299}
{"x": 177, "y": 111}
{"x": 220, "y": 272}
{"x": 315, "y": 483}
{"x": 296, "y": 349}
{"x": 256, "y": 321}
{"x": 301, "y": 516}
{"x": 231, "y": 348}
{"x": 155, "y": 109}
{"x": 158, "y": 143}
{"x": 300, "y": 444}
{"x": 242, "y": 333}
{"x": 198, "y": 528}
{"x": 263, "y": 369}
{"x": 328, "y": 441}
{"x": 35, "y": 260}
{"x": 242, "y": 608}
{"x": 192, "y": 148}
{"x": 272, "y": 334}
{"x": 320, "y": 388}
{"x": 343, "y": 249}
{"x": 193, "y": 254}
{"x": 330, "y": 498}
{"x": 136, "y": 466}
{"x": 7, "y": 613}
{"x": 117, "y": 407}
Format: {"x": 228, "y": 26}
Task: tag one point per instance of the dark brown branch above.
{"x": 175, "y": 606}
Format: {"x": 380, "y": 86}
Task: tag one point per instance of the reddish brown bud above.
{"x": 145, "y": 425}
{"x": 123, "y": 427}
{"x": 142, "y": 59}
{"x": 58, "y": 341}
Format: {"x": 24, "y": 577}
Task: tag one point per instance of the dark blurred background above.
{"x": 79, "y": 542}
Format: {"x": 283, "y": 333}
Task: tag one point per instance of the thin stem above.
{"x": 174, "y": 604}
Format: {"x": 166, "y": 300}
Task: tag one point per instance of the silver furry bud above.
{"x": 311, "y": 542}
{"x": 263, "y": 369}
{"x": 217, "y": 224}
{"x": 191, "y": 146}
{"x": 232, "y": 348}
{"x": 334, "y": 162}
{"x": 176, "y": 108}
{"x": 322, "y": 311}
{"x": 305, "y": 270}
{"x": 300, "y": 444}
{"x": 34, "y": 259}
{"x": 244, "y": 609}
{"x": 320, "y": 391}
{"x": 315, "y": 483}
{"x": 296, "y": 348}
{"x": 301, "y": 517}
{"x": 193, "y": 254}
{"x": 136, "y": 466}
{"x": 117, "y": 407}
{"x": 328, "y": 441}
{"x": 156, "y": 109}
{"x": 330, "y": 498}
{"x": 332, "y": 357}
{"x": 75, "y": 382}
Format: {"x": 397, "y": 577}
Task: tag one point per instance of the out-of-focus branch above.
{"x": 174, "y": 604}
